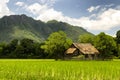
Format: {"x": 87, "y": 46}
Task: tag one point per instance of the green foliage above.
{"x": 118, "y": 37}
{"x": 9, "y": 48}
{"x": 28, "y": 46}
{"x": 118, "y": 42}
{"x": 19, "y": 52}
{"x": 56, "y": 44}
{"x": 2, "y": 46}
{"x": 39, "y": 52}
{"x": 25, "y": 48}
{"x": 118, "y": 49}
{"x": 86, "y": 38}
{"x": 105, "y": 44}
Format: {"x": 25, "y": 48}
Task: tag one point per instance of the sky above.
{"x": 93, "y": 15}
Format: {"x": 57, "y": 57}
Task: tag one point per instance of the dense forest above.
{"x": 57, "y": 43}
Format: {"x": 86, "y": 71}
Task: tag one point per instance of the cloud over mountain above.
{"x": 4, "y": 10}
{"x": 106, "y": 19}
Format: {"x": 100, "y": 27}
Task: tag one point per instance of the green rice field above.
{"x": 16, "y": 69}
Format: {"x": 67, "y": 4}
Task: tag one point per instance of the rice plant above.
{"x": 59, "y": 70}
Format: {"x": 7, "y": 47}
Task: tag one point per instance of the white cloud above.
{"x": 4, "y": 10}
{"x": 47, "y": 2}
{"x": 92, "y": 8}
{"x": 50, "y": 14}
{"x": 105, "y": 20}
{"x": 44, "y": 12}
{"x": 20, "y": 3}
{"x": 37, "y": 8}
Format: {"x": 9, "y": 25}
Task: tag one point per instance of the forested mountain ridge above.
{"x": 22, "y": 26}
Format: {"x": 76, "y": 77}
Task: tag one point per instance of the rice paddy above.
{"x": 16, "y": 69}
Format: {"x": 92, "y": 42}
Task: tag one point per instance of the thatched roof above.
{"x": 70, "y": 50}
{"x": 84, "y": 48}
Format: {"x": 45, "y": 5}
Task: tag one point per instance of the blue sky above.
{"x": 94, "y": 15}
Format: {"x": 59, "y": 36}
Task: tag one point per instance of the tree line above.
{"x": 53, "y": 47}
{"x": 57, "y": 43}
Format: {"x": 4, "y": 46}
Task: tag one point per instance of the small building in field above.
{"x": 81, "y": 51}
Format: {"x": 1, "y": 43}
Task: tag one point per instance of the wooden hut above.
{"x": 82, "y": 49}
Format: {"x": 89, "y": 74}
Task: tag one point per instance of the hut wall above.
{"x": 90, "y": 56}
{"x": 76, "y": 53}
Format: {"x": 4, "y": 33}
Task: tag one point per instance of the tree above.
{"x": 56, "y": 44}
{"x": 2, "y": 48}
{"x": 39, "y": 52}
{"x": 118, "y": 37}
{"x": 19, "y": 52}
{"x": 10, "y": 47}
{"x": 86, "y": 38}
{"x": 28, "y": 47}
{"x": 118, "y": 42}
{"x": 105, "y": 44}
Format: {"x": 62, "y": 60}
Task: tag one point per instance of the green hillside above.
{"x": 22, "y": 26}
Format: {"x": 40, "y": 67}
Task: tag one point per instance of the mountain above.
{"x": 22, "y": 26}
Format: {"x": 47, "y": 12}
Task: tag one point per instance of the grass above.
{"x": 15, "y": 69}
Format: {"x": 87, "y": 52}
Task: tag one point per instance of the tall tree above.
{"x": 118, "y": 42}
{"x": 105, "y": 44}
{"x": 86, "y": 38}
{"x": 2, "y": 48}
{"x": 10, "y": 47}
{"x": 118, "y": 37}
{"x": 39, "y": 52}
{"x": 56, "y": 44}
{"x": 28, "y": 46}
